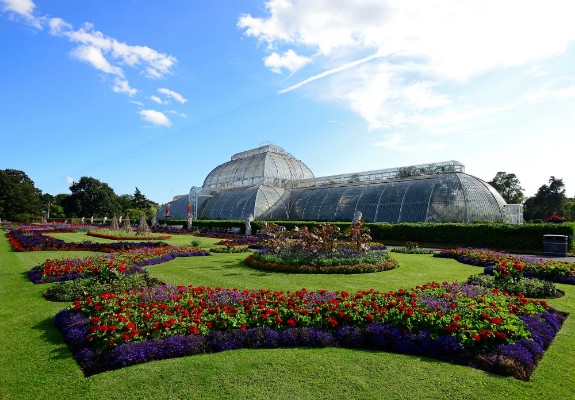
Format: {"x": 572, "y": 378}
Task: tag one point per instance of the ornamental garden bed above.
{"x": 119, "y": 235}
{"x": 500, "y": 262}
{"x": 36, "y": 241}
{"x": 459, "y": 323}
{"x": 126, "y": 262}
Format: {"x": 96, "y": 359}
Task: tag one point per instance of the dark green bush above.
{"x": 529, "y": 287}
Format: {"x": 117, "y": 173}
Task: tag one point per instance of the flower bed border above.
{"x": 388, "y": 265}
{"x": 489, "y": 259}
{"x": 518, "y": 360}
{"x": 21, "y": 241}
{"x": 113, "y": 237}
{"x": 35, "y": 274}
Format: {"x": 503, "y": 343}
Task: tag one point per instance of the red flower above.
{"x": 291, "y": 322}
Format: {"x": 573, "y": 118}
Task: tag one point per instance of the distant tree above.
{"x": 19, "y": 198}
{"x": 549, "y": 200}
{"x": 508, "y": 187}
{"x": 91, "y": 197}
{"x": 570, "y": 209}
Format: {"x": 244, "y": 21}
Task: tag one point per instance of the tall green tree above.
{"x": 549, "y": 200}
{"x": 508, "y": 187}
{"x": 90, "y": 197}
{"x": 19, "y": 198}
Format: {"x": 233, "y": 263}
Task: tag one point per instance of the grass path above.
{"x": 36, "y": 364}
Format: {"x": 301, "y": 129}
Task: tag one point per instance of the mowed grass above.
{"x": 36, "y": 364}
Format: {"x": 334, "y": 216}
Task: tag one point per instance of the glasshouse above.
{"x": 268, "y": 183}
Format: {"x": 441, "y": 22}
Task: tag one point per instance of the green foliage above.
{"x": 549, "y": 200}
{"x": 19, "y": 198}
{"x": 78, "y": 289}
{"x": 525, "y": 237}
{"x": 509, "y": 187}
{"x": 90, "y": 197}
{"x": 529, "y": 287}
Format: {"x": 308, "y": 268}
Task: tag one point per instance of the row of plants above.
{"x": 109, "y": 265}
{"x": 411, "y": 247}
{"x": 36, "y": 241}
{"x": 457, "y": 322}
{"x": 239, "y": 241}
{"x": 503, "y": 263}
{"x": 120, "y": 235}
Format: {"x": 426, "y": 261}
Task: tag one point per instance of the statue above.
{"x": 168, "y": 206}
{"x": 92, "y": 220}
{"x": 154, "y": 222}
{"x": 248, "y": 224}
{"x": 104, "y": 221}
{"x": 190, "y": 223}
{"x": 120, "y": 220}
{"x": 356, "y": 217}
{"x": 82, "y": 220}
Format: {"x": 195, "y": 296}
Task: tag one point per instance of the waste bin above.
{"x": 555, "y": 245}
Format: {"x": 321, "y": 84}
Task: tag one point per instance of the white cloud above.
{"x": 122, "y": 86}
{"x": 549, "y": 92}
{"x": 289, "y": 60}
{"x": 420, "y": 50}
{"x": 155, "y": 117}
{"x": 23, "y": 9}
{"x": 93, "y": 55}
{"x": 156, "y": 99}
{"x": 69, "y": 180}
{"x": 154, "y": 64}
{"x": 173, "y": 95}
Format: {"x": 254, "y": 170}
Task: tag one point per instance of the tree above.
{"x": 19, "y": 198}
{"x": 508, "y": 187}
{"x": 549, "y": 200}
{"x": 91, "y": 197}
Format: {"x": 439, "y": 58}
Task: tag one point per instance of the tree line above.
{"x": 20, "y": 200}
{"x": 550, "y": 199}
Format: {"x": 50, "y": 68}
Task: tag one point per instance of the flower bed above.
{"x": 241, "y": 241}
{"x": 450, "y": 321}
{"x": 323, "y": 265}
{"x": 127, "y": 262}
{"x": 127, "y": 236}
{"x": 556, "y": 271}
{"x": 36, "y": 241}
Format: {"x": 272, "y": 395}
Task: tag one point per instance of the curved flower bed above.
{"x": 128, "y": 262}
{"x": 340, "y": 261}
{"x": 556, "y": 271}
{"x": 36, "y": 241}
{"x": 456, "y": 322}
{"x": 241, "y": 241}
{"x": 127, "y": 237}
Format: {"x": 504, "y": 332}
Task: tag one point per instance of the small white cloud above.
{"x": 155, "y": 117}
{"x": 174, "y": 95}
{"x": 156, "y": 99}
{"x": 122, "y": 86}
{"x": 93, "y": 55}
{"x": 153, "y": 63}
{"x": 23, "y": 8}
{"x": 289, "y": 60}
{"x": 138, "y": 103}
{"x": 69, "y": 180}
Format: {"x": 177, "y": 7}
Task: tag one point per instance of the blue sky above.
{"x": 155, "y": 95}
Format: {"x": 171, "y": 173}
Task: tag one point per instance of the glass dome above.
{"x": 266, "y": 165}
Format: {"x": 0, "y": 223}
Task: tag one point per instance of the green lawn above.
{"x": 36, "y": 364}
